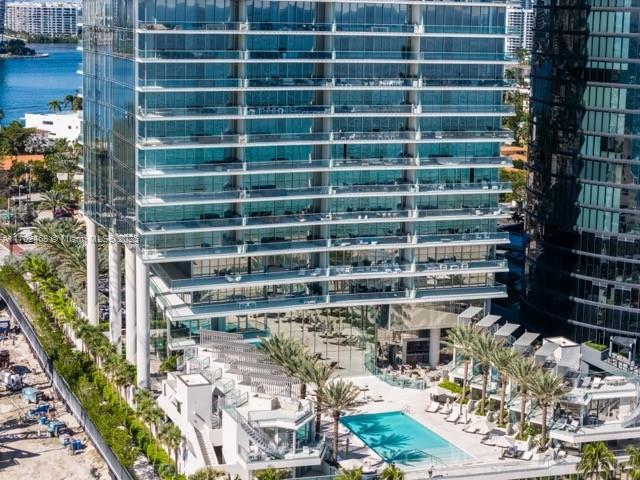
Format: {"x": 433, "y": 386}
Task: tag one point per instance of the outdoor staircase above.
{"x": 208, "y": 454}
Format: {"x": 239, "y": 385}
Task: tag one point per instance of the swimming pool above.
{"x": 400, "y": 439}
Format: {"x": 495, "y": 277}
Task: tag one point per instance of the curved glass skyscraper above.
{"x": 584, "y": 186}
{"x": 327, "y": 170}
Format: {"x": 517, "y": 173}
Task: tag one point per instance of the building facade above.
{"x": 583, "y": 212}
{"x": 520, "y": 22}
{"x": 42, "y": 18}
{"x": 323, "y": 170}
{"x": 2, "y": 12}
{"x": 67, "y": 125}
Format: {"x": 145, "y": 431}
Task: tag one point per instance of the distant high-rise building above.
{"x": 2, "y": 10}
{"x": 42, "y": 18}
{"x": 583, "y": 212}
{"x": 520, "y": 21}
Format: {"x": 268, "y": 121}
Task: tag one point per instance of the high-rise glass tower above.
{"x": 327, "y": 170}
{"x": 583, "y": 214}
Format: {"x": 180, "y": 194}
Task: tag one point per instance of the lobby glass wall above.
{"x": 583, "y": 210}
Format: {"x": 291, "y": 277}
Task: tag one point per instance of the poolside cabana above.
{"x": 506, "y": 333}
{"x": 524, "y": 343}
{"x": 469, "y": 315}
{"x": 489, "y": 323}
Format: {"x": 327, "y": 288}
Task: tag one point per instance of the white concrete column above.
{"x": 142, "y": 322}
{"x": 92, "y": 271}
{"x": 115, "y": 287}
{"x": 130, "y": 302}
{"x": 434, "y": 347}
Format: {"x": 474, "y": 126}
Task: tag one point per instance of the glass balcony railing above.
{"x": 317, "y": 301}
{"x": 323, "y": 244}
{"x": 238, "y": 167}
{"x": 313, "y": 27}
{"x": 341, "y": 137}
{"x": 151, "y": 199}
{"x": 365, "y": 216}
{"x": 155, "y": 113}
{"x": 306, "y": 82}
{"x": 314, "y": 55}
{"x": 233, "y": 280}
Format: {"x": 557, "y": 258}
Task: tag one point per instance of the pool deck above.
{"x": 485, "y": 461}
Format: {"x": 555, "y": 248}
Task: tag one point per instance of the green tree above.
{"x": 546, "y": 389}
{"x": 633, "y": 464}
{"x": 288, "y": 354}
{"x": 207, "y": 473}
{"x": 391, "y": 472}
{"x": 597, "y": 461}
{"x": 55, "y": 200}
{"x": 521, "y": 370}
{"x": 502, "y": 359}
{"x": 337, "y": 396}
{"x": 518, "y": 180}
{"x": 55, "y": 105}
{"x": 319, "y": 374}
{"x": 483, "y": 347}
{"x": 171, "y": 436}
{"x": 271, "y": 473}
{"x": 350, "y": 474}
{"x": 13, "y": 138}
{"x": 9, "y": 235}
{"x": 460, "y": 338}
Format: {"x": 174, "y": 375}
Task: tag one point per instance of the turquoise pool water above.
{"x": 400, "y": 439}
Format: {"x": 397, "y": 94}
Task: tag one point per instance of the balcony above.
{"x": 160, "y": 113}
{"x": 205, "y": 251}
{"x": 252, "y": 28}
{"x": 235, "y": 167}
{"x": 358, "y": 217}
{"x": 336, "y": 273}
{"x": 159, "y": 84}
{"x": 329, "y": 138}
{"x": 346, "y": 191}
{"x": 307, "y": 302}
{"x": 366, "y": 56}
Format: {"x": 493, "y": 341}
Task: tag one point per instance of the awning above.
{"x": 488, "y": 321}
{"x": 470, "y": 312}
{"x": 526, "y": 339}
{"x": 507, "y": 330}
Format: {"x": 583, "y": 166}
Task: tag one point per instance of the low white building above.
{"x": 67, "y": 125}
{"x": 238, "y": 412}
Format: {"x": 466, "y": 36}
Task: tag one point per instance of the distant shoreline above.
{"x": 37, "y": 55}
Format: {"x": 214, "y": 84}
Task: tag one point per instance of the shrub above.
{"x": 596, "y": 346}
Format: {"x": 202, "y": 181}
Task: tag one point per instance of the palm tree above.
{"x": 483, "y": 347}
{"x": 502, "y": 359}
{"x": 171, "y": 436}
{"x": 633, "y": 463}
{"x": 337, "y": 396}
{"x": 391, "y": 472}
{"x": 206, "y": 473}
{"x": 55, "y": 200}
{"x": 460, "y": 338}
{"x": 318, "y": 373}
{"x": 55, "y": 105}
{"x": 271, "y": 473}
{"x": 597, "y": 461}
{"x": 521, "y": 370}
{"x": 9, "y": 234}
{"x": 546, "y": 389}
{"x": 350, "y": 474}
{"x": 288, "y": 354}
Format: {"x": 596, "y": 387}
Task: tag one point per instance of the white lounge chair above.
{"x": 597, "y": 382}
{"x": 446, "y": 409}
{"x": 586, "y": 382}
{"x": 433, "y": 407}
{"x": 454, "y": 415}
{"x": 528, "y": 455}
